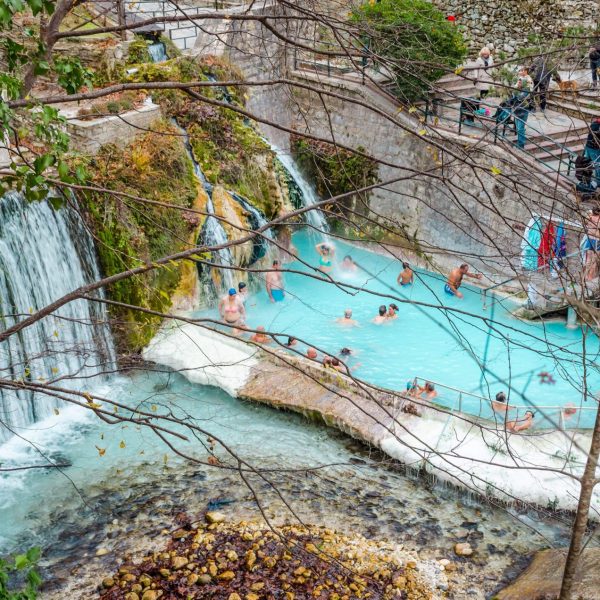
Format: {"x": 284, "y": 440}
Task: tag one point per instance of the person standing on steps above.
{"x": 407, "y": 276}
{"x": 592, "y": 147}
{"x": 542, "y": 71}
{"x": 483, "y": 78}
{"x": 522, "y": 105}
{"x": 595, "y": 63}
{"x": 274, "y": 283}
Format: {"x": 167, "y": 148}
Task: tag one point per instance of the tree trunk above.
{"x": 48, "y": 34}
{"x": 581, "y": 517}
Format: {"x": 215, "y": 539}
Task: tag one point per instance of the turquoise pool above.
{"x": 430, "y": 342}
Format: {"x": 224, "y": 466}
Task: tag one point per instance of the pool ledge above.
{"x": 477, "y": 456}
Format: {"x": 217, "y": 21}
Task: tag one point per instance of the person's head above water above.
{"x": 347, "y": 314}
{"x": 405, "y": 265}
{"x": 241, "y": 286}
{"x": 382, "y": 310}
{"x": 530, "y": 413}
{"x": 394, "y": 307}
{"x": 345, "y": 351}
{"x": 335, "y": 362}
{"x": 311, "y": 353}
{"x": 232, "y": 291}
{"x": 260, "y": 328}
{"x": 429, "y": 386}
{"x": 500, "y": 397}
{"x": 348, "y": 258}
{"x": 276, "y": 264}
{"x": 291, "y": 341}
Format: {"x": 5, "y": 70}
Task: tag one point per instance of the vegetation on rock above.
{"x": 127, "y": 233}
{"x": 417, "y": 39}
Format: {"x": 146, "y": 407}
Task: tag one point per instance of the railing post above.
{"x": 328, "y": 65}
{"x": 460, "y": 402}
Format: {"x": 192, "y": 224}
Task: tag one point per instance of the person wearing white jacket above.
{"x": 483, "y": 77}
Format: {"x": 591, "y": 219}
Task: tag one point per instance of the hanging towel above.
{"x": 546, "y": 250}
{"x": 560, "y": 248}
{"x": 530, "y": 244}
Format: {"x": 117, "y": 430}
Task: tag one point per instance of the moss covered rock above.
{"x": 129, "y": 233}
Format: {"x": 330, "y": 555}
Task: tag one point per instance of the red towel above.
{"x": 547, "y": 245}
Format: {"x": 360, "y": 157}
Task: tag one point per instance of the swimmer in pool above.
{"x": 333, "y": 363}
{"x": 232, "y": 310}
{"x": 521, "y": 424}
{"x": 499, "y": 405}
{"x": 326, "y": 252}
{"x": 274, "y": 283}
{"x": 311, "y": 353}
{"x": 382, "y": 316}
{"x": 407, "y": 276}
{"x": 347, "y": 319}
{"x": 455, "y": 280}
{"x": 348, "y": 264}
{"x": 392, "y": 312}
{"x": 292, "y": 341}
{"x": 259, "y": 337}
{"x": 427, "y": 391}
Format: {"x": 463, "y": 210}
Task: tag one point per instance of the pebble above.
{"x": 214, "y": 517}
{"x": 108, "y": 582}
{"x": 463, "y": 549}
{"x": 102, "y": 551}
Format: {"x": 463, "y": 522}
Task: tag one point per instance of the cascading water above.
{"x": 158, "y": 52}
{"x": 256, "y": 220}
{"x": 314, "y": 217}
{"x": 213, "y": 233}
{"x": 44, "y": 255}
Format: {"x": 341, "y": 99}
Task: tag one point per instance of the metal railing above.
{"x": 460, "y": 401}
{"x": 552, "y": 149}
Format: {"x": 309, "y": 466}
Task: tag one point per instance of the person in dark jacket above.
{"x": 592, "y": 146}
{"x": 595, "y": 62}
{"x": 542, "y": 71}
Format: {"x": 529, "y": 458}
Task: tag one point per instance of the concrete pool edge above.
{"x": 447, "y": 445}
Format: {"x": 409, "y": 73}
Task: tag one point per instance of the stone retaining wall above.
{"x": 90, "y": 136}
{"x": 510, "y": 24}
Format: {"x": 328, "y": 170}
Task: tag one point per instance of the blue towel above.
{"x": 530, "y": 245}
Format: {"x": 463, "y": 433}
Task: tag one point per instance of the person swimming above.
{"x": 333, "y": 363}
{"x": 382, "y": 316}
{"x": 232, "y": 310}
{"x": 348, "y": 264}
{"x": 427, "y": 391}
{"x": 274, "y": 283}
{"x": 455, "y": 280}
{"x": 347, "y": 319}
{"x": 406, "y": 276}
{"x": 260, "y": 337}
{"x": 326, "y": 252}
{"x": 311, "y": 353}
{"x": 292, "y": 341}
{"x": 521, "y": 424}
{"x": 499, "y": 405}
{"x": 392, "y": 312}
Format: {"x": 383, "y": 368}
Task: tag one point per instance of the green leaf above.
{"x": 81, "y": 173}
{"x": 34, "y": 554}
{"x": 21, "y": 561}
{"x": 42, "y": 162}
{"x": 63, "y": 170}
{"x": 56, "y": 202}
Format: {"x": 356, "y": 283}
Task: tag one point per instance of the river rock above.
{"x": 179, "y": 562}
{"x": 108, "y": 582}
{"x": 214, "y": 517}
{"x": 542, "y": 578}
{"x": 463, "y": 549}
{"x": 205, "y": 579}
{"x": 150, "y": 595}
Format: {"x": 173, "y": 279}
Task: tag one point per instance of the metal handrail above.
{"x": 489, "y": 403}
{"x": 540, "y": 134}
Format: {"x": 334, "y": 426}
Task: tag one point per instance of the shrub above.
{"x": 113, "y": 108}
{"x": 420, "y": 43}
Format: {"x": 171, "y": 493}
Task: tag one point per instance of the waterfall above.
{"x": 158, "y": 52}
{"x": 256, "y": 220}
{"x": 314, "y": 217}
{"x": 213, "y": 233}
{"x": 44, "y": 255}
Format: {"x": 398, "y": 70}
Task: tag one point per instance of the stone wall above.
{"x": 463, "y": 211}
{"x": 509, "y": 24}
{"x": 90, "y": 136}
